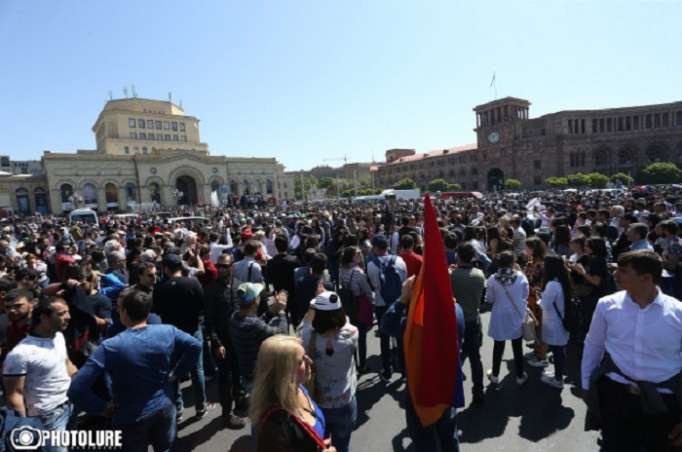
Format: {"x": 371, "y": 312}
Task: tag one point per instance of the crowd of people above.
{"x": 101, "y": 323}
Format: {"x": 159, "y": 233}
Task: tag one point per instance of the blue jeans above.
{"x": 340, "y": 424}
{"x": 441, "y": 436}
{"x": 58, "y": 419}
{"x": 228, "y": 381}
{"x": 158, "y": 431}
{"x": 198, "y": 381}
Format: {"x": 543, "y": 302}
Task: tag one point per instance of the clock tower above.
{"x": 496, "y": 121}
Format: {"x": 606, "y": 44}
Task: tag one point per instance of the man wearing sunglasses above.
{"x": 220, "y": 298}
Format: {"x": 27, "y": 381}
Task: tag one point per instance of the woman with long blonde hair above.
{"x": 284, "y": 416}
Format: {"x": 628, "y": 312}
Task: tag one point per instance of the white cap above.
{"x": 326, "y": 301}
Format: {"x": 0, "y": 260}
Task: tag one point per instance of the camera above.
{"x": 26, "y": 438}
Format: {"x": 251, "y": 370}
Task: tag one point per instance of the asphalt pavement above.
{"x": 534, "y": 417}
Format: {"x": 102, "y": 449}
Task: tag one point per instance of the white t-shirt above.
{"x": 43, "y": 362}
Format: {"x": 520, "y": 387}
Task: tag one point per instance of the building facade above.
{"x": 8, "y": 165}
{"x": 512, "y": 145}
{"x": 148, "y": 154}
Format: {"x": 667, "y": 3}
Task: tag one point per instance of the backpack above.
{"x": 348, "y": 301}
{"x": 571, "y": 320}
{"x": 390, "y": 283}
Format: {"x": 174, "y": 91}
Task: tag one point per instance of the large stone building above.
{"x": 148, "y": 153}
{"x": 512, "y": 145}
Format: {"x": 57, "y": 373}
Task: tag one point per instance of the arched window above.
{"x": 657, "y": 152}
{"x": 111, "y": 195}
{"x": 627, "y": 155}
{"x": 23, "y": 203}
{"x": 601, "y": 156}
{"x": 66, "y": 192}
{"x": 247, "y": 187}
{"x": 234, "y": 188}
{"x": 155, "y": 192}
{"x": 90, "y": 194}
{"x": 41, "y": 200}
{"x": 269, "y": 187}
{"x": 131, "y": 192}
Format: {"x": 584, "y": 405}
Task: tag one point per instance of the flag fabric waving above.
{"x": 430, "y": 340}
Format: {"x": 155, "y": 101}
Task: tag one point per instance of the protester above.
{"x": 285, "y": 417}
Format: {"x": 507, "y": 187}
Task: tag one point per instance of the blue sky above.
{"x": 310, "y": 80}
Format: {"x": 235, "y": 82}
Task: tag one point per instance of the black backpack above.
{"x": 571, "y": 320}
{"x": 348, "y": 301}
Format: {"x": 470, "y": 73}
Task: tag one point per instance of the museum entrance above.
{"x": 495, "y": 179}
{"x": 186, "y": 190}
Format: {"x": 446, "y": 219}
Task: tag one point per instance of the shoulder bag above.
{"x": 530, "y": 323}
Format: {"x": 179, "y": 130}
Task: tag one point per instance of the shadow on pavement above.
{"x": 538, "y": 405}
{"x": 201, "y": 436}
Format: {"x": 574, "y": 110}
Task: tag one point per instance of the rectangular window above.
{"x": 582, "y": 126}
{"x": 594, "y": 126}
{"x": 150, "y": 136}
{"x": 602, "y": 124}
{"x": 166, "y": 125}
{"x": 144, "y": 150}
{"x": 609, "y": 124}
{"x": 175, "y": 137}
{"x": 620, "y": 124}
{"x": 150, "y": 123}
{"x": 166, "y": 137}
{"x": 131, "y": 123}
{"x": 127, "y": 150}
{"x": 537, "y": 164}
{"x": 657, "y": 120}
{"x": 159, "y": 137}
{"x": 174, "y": 126}
{"x": 635, "y": 122}
{"x": 140, "y": 123}
{"x": 679, "y": 118}
{"x": 537, "y": 180}
{"x": 506, "y": 112}
{"x": 143, "y": 136}
{"x": 182, "y": 127}
{"x": 628, "y": 125}
{"x": 158, "y": 125}
{"x": 648, "y": 121}
{"x": 570, "y": 126}
{"x": 666, "y": 120}
{"x": 133, "y": 135}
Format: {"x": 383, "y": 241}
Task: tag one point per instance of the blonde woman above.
{"x": 285, "y": 417}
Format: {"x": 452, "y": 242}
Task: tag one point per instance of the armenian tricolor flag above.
{"x": 430, "y": 341}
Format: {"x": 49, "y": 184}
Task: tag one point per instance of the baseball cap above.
{"x": 248, "y": 292}
{"x": 172, "y": 260}
{"x": 379, "y": 240}
{"x": 326, "y": 301}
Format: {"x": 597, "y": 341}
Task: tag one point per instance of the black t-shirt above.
{"x": 179, "y": 301}
{"x": 597, "y": 267}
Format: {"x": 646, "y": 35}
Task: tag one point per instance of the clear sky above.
{"x": 309, "y": 80}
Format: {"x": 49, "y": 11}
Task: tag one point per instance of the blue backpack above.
{"x": 11, "y": 425}
{"x": 390, "y": 283}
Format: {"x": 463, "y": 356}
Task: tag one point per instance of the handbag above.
{"x": 530, "y": 323}
{"x": 310, "y": 385}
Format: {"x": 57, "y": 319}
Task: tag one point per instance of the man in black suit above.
{"x": 280, "y": 269}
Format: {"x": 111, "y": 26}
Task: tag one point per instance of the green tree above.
{"x": 557, "y": 182}
{"x": 660, "y": 173}
{"x": 302, "y": 187}
{"x": 597, "y": 180}
{"x": 512, "y": 184}
{"x": 578, "y": 180}
{"x": 438, "y": 185}
{"x": 405, "y": 184}
{"x": 622, "y": 178}
{"x": 454, "y": 187}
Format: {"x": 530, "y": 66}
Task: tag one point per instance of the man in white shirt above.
{"x": 639, "y": 330}
{"x": 37, "y": 372}
{"x": 519, "y": 238}
{"x": 374, "y": 272}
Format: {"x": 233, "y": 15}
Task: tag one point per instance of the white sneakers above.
{"x": 533, "y": 361}
{"x": 496, "y": 380}
{"x": 493, "y": 379}
{"x": 549, "y": 379}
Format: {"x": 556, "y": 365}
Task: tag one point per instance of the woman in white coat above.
{"x": 507, "y": 291}
{"x": 556, "y": 292}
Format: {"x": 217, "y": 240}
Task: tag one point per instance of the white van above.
{"x": 86, "y": 215}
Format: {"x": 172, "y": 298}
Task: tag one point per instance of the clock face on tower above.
{"x": 493, "y": 137}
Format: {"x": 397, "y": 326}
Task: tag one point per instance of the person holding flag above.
{"x": 430, "y": 329}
